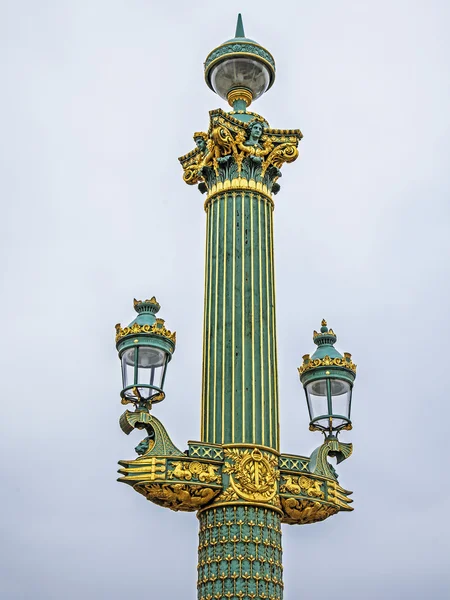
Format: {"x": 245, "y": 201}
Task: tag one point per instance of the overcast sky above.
{"x": 98, "y": 99}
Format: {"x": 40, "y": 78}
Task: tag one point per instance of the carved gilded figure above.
{"x": 256, "y": 129}
{"x": 200, "y": 139}
{"x": 145, "y": 445}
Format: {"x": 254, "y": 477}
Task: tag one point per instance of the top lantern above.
{"x": 240, "y": 70}
{"x": 328, "y": 378}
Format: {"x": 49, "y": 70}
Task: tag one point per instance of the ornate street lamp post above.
{"x": 235, "y": 477}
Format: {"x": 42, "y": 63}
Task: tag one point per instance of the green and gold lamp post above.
{"x": 235, "y": 477}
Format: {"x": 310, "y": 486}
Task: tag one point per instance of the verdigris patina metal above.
{"x": 236, "y": 479}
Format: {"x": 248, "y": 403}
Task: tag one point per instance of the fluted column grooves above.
{"x": 240, "y": 385}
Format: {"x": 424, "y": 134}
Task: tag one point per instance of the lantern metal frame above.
{"x": 328, "y": 365}
{"x": 146, "y": 331}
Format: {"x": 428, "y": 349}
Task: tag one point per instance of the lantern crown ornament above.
{"x": 327, "y": 377}
{"x": 240, "y": 70}
{"x": 145, "y": 348}
{"x": 146, "y": 306}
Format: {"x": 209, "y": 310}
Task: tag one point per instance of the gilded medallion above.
{"x": 253, "y": 475}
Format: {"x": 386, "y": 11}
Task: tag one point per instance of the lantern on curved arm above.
{"x": 328, "y": 378}
{"x": 145, "y": 348}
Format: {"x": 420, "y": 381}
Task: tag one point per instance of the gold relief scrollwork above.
{"x": 228, "y": 495}
{"x": 220, "y": 145}
{"x": 326, "y": 361}
{"x": 300, "y": 512}
{"x": 284, "y": 153}
{"x": 302, "y": 485}
{"x": 156, "y": 328}
{"x": 253, "y": 475}
{"x": 190, "y": 174}
{"x": 195, "y": 471}
{"x": 177, "y": 496}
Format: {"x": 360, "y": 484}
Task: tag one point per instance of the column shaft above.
{"x": 240, "y": 385}
{"x": 239, "y": 554}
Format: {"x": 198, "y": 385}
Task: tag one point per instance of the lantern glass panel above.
{"x": 143, "y": 367}
{"x": 316, "y": 393}
{"x": 240, "y": 72}
{"x": 128, "y": 360}
{"x": 340, "y": 397}
{"x": 151, "y": 367}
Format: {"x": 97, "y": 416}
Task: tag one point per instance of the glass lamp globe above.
{"x": 240, "y": 69}
{"x": 143, "y": 373}
{"x": 329, "y": 402}
{"x": 237, "y": 73}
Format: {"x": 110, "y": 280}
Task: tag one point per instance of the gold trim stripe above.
{"x": 233, "y": 293}
{"x": 224, "y": 406}
{"x": 219, "y": 190}
{"x": 224, "y": 291}
{"x": 259, "y": 446}
{"x": 202, "y": 414}
{"x": 261, "y": 330}
{"x": 269, "y": 332}
{"x": 216, "y": 323}
{"x": 274, "y": 330}
{"x": 252, "y": 296}
{"x": 208, "y": 340}
{"x": 243, "y": 309}
{"x": 241, "y": 503}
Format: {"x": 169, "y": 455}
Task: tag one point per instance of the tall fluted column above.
{"x": 238, "y": 164}
{"x": 240, "y": 384}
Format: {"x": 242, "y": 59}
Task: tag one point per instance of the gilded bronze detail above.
{"x": 240, "y": 553}
{"x": 156, "y": 329}
{"x": 240, "y": 94}
{"x": 302, "y": 485}
{"x": 195, "y": 471}
{"x": 326, "y": 361}
{"x": 238, "y": 151}
{"x": 177, "y": 496}
{"x": 300, "y": 511}
{"x": 152, "y": 300}
{"x": 253, "y": 475}
{"x": 338, "y": 496}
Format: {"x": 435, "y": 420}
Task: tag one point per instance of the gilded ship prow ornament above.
{"x": 236, "y": 478}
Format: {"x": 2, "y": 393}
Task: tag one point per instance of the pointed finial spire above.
{"x": 239, "y": 27}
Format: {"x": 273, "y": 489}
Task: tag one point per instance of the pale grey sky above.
{"x": 98, "y": 99}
